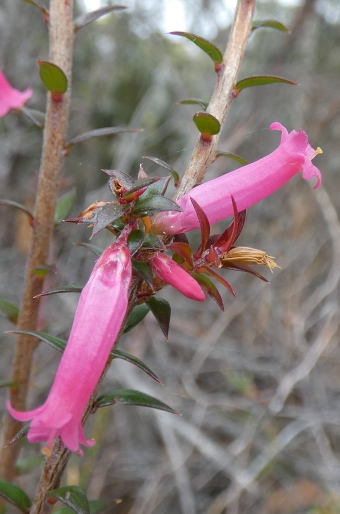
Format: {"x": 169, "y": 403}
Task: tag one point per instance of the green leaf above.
{"x": 53, "y": 77}
{"x": 161, "y": 309}
{"x": 44, "y": 270}
{"x": 143, "y": 271}
{"x": 134, "y": 360}
{"x": 62, "y": 289}
{"x": 272, "y": 24}
{"x": 10, "y": 203}
{"x": 131, "y": 397}
{"x": 207, "y": 124}
{"x": 260, "y": 80}
{"x": 137, "y": 315}
{"x": 210, "y": 288}
{"x": 194, "y": 101}
{"x": 96, "y": 506}
{"x": 158, "y": 188}
{"x": 164, "y": 165}
{"x": 10, "y": 311}
{"x": 15, "y": 495}
{"x": 233, "y": 156}
{"x": 56, "y": 342}
{"x": 153, "y": 205}
{"x": 19, "y": 435}
{"x": 89, "y": 17}
{"x": 105, "y": 131}
{"x": 205, "y": 45}
{"x": 135, "y": 240}
{"x": 153, "y": 242}
{"x": 64, "y": 206}
{"x": 73, "y": 497}
{"x": 106, "y": 215}
{"x": 94, "y": 248}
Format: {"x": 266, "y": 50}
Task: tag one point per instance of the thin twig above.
{"x": 61, "y": 48}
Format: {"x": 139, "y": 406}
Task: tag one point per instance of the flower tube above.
{"x": 171, "y": 273}
{"x": 248, "y": 185}
{"x": 100, "y": 313}
{"x": 11, "y": 98}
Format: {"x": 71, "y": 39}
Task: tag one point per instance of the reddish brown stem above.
{"x": 61, "y": 36}
{"x": 222, "y": 97}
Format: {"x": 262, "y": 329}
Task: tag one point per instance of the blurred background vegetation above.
{"x": 258, "y": 386}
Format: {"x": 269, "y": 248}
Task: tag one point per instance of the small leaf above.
{"x": 105, "y": 131}
{"x": 123, "y": 178}
{"x": 143, "y": 271}
{"x": 260, "y": 80}
{"x": 94, "y": 248}
{"x": 156, "y": 189}
{"x": 106, "y": 215}
{"x": 153, "y": 242}
{"x": 204, "y": 225}
{"x": 182, "y": 249}
{"x": 272, "y": 24}
{"x": 139, "y": 187}
{"x": 37, "y": 117}
{"x": 135, "y": 240}
{"x": 62, "y": 289}
{"x": 205, "y": 45}
{"x": 161, "y": 309}
{"x": 136, "y": 316}
{"x": 96, "y": 506}
{"x": 64, "y": 206}
{"x": 11, "y": 203}
{"x": 53, "y": 77}
{"x": 210, "y": 288}
{"x": 44, "y": 270}
{"x": 207, "y": 124}
{"x": 57, "y": 343}
{"x": 73, "y": 497}
{"x": 153, "y": 205}
{"x": 89, "y": 17}
{"x": 19, "y": 435}
{"x": 131, "y": 397}
{"x": 194, "y": 101}
{"x": 15, "y": 495}
{"x": 134, "y": 360}
{"x": 231, "y": 156}
{"x": 10, "y": 311}
{"x": 221, "y": 280}
{"x": 164, "y": 165}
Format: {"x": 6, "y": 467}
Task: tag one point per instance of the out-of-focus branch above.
{"x": 61, "y": 37}
{"x": 222, "y": 97}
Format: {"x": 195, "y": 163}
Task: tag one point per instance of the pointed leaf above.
{"x": 89, "y": 17}
{"x": 261, "y": 80}
{"x": 131, "y": 397}
{"x": 139, "y": 187}
{"x": 64, "y": 206}
{"x": 57, "y": 342}
{"x": 53, "y": 77}
{"x": 161, "y": 309}
{"x": 182, "y": 249}
{"x": 233, "y": 231}
{"x": 96, "y": 506}
{"x": 136, "y": 316}
{"x": 207, "y": 124}
{"x": 62, "y": 289}
{"x": 123, "y": 178}
{"x": 158, "y": 188}
{"x": 106, "y": 215}
{"x": 204, "y": 224}
{"x": 205, "y": 45}
{"x": 153, "y": 242}
{"x": 9, "y": 310}
{"x": 194, "y": 101}
{"x": 231, "y": 156}
{"x": 135, "y": 240}
{"x": 134, "y": 360}
{"x": 210, "y": 288}
{"x": 272, "y": 24}
{"x": 238, "y": 267}
{"x": 19, "y": 435}
{"x": 15, "y": 495}
{"x": 143, "y": 271}
{"x": 105, "y": 131}
{"x": 37, "y": 117}
{"x": 164, "y": 165}
{"x": 10, "y": 203}
{"x": 211, "y": 273}
{"x": 94, "y": 248}
{"x": 153, "y": 205}
{"x": 73, "y": 497}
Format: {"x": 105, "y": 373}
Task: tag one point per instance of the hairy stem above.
{"x": 61, "y": 37}
{"x": 222, "y": 97}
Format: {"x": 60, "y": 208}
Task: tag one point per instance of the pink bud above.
{"x": 11, "y": 98}
{"x": 100, "y": 313}
{"x": 248, "y": 185}
{"x": 171, "y": 273}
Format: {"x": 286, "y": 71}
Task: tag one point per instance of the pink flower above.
{"x": 171, "y": 273}
{"x": 11, "y": 98}
{"x": 248, "y": 185}
{"x": 100, "y": 313}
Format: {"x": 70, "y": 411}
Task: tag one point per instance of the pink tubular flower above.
{"x": 98, "y": 318}
{"x": 171, "y": 273}
{"x": 248, "y": 185}
{"x": 11, "y": 98}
